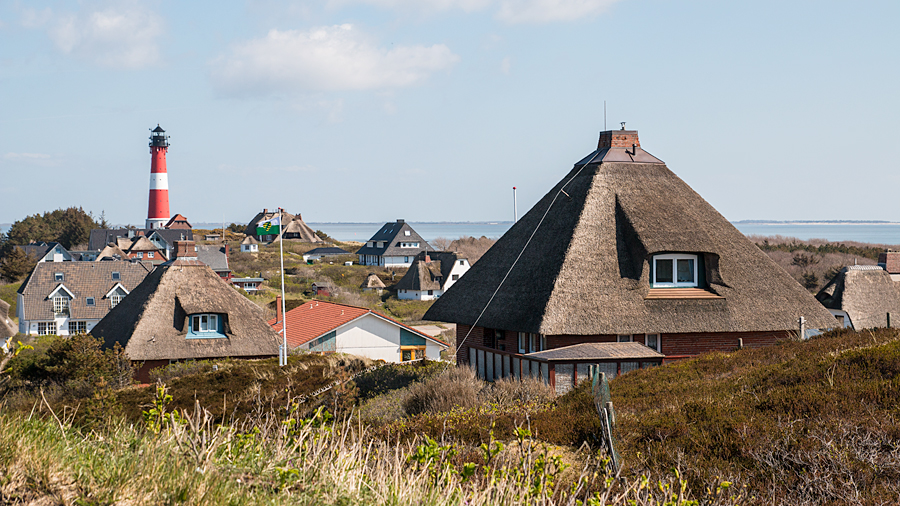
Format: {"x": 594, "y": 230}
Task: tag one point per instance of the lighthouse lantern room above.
{"x": 158, "y": 208}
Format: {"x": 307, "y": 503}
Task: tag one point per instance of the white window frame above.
{"x": 523, "y": 342}
{"x": 204, "y": 323}
{"x": 77, "y": 327}
{"x": 61, "y": 304}
{"x": 46, "y": 328}
{"x": 149, "y": 254}
{"x": 89, "y": 301}
{"x": 673, "y": 258}
{"x": 58, "y": 276}
{"x": 406, "y": 233}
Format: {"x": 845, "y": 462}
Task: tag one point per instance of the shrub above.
{"x": 179, "y": 369}
{"x": 508, "y": 392}
{"x": 457, "y": 387}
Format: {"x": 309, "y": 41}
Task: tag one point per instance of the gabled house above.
{"x": 140, "y": 248}
{"x": 321, "y": 253}
{"x": 247, "y": 284}
{"x": 323, "y": 288}
{"x": 395, "y": 244}
{"x": 319, "y": 326}
{"x": 622, "y": 250}
{"x": 111, "y": 252}
{"x": 431, "y": 274}
{"x": 178, "y": 222}
{"x": 216, "y": 257}
{"x": 249, "y": 245}
{"x": 163, "y": 239}
{"x": 862, "y": 297}
{"x": 183, "y": 311}
{"x": 65, "y": 298}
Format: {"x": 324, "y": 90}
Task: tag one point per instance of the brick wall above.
{"x": 891, "y": 259}
{"x": 618, "y": 139}
{"x": 672, "y": 344}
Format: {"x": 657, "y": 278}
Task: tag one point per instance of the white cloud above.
{"x": 328, "y": 58}
{"x": 509, "y": 11}
{"x": 123, "y": 34}
{"x": 545, "y": 11}
{"x": 36, "y": 159}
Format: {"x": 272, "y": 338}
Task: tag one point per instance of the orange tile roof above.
{"x": 317, "y": 317}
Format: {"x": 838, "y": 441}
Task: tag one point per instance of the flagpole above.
{"x": 283, "y": 314}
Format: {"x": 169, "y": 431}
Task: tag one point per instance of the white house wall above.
{"x": 456, "y": 270}
{"x": 419, "y": 294}
{"x": 371, "y": 337}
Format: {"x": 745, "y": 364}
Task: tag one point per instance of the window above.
{"x": 89, "y": 301}
{"x": 405, "y": 259}
{"x": 77, "y": 328}
{"x": 674, "y": 270}
{"x": 115, "y": 299}
{"x": 624, "y": 338}
{"x": 409, "y": 245}
{"x": 58, "y": 276}
{"x": 652, "y": 341}
{"x": 462, "y": 262}
{"x": 60, "y": 304}
{"x": 149, "y": 254}
{"x": 538, "y": 342}
{"x": 454, "y": 277}
{"x": 207, "y": 325}
{"x": 116, "y": 276}
{"x": 140, "y": 254}
{"x": 430, "y": 292}
{"x": 46, "y": 328}
{"x": 523, "y": 342}
{"x": 408, "y": 353}
{"x": 406, "y": 233}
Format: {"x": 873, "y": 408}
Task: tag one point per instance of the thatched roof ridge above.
{"x": 249, "y": 240}
{"x": 110, "y": 251}
{"x": 587, "y": 269}
{"x": 866, "y": 293}
{"x": 151, "y": 322}
{"x": 298, "y": 229}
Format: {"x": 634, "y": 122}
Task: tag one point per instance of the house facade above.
{"x": 431, "y": 274}
{"x": 622, "y": 250}
{"x": 395, "y": 244}
{"x": 183, "y": 311}
{"x": 162, "y": 239}
{"x": 249, "y": 245}
{"x": 66, "y": 298}
{"x": 327, "y": 327}
{"x": 247, "y": 284}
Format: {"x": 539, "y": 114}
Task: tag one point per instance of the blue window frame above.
{"x": 205, "y": 326}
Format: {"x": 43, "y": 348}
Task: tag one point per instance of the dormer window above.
{"x": 204, "y": 326}
{"x": 89, "y": 301}
{"x": 60, "y": 305}
{"x": 116, "y": 276}
{"x": 58, "y": 276}
{"x": 674, "y": 270}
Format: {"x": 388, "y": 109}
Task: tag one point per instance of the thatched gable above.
{"x": 866, "y": 293}
{"x": 429, "y": 271}
{"x": 111, "y": 252}
{"x": 151, "y": 323}
{"x": 587, "y": 269}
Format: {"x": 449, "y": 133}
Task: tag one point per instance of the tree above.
{"x": 70, "y": 227}
{"x": 325, "y": 237}
{"x": 441, "y": 243}
{"x": 810, "y": 280}
{"x": 16, "y": 265}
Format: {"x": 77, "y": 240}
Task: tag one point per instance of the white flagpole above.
{"x": 283, "y": 314}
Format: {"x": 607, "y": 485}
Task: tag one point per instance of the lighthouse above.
{"x": 158, "y": 209}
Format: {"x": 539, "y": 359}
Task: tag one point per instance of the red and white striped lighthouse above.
{"x": 158, "y": 209}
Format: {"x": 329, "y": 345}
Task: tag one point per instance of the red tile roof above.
{"x": 317, "y": 317}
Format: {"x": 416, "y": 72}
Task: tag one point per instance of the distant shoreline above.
{"x": 814, "y": 222}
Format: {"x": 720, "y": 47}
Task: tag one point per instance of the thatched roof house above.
{"x": 372, "y": 282}
{"x": 183, "y": 310}
{"x": 862, "y": 297}
{"x": 624, "y": 250}
{"x": 431, "y": 274}
{"x": 294, "y": 227}
{"x": 249, "y": 245}
{"x": 111, "y": 252}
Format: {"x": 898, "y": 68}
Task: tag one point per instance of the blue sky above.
{"x": 431, "y": 110}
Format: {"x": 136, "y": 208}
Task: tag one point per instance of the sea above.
{"x": 869, "y": 232}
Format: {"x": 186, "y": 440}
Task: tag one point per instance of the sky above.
{"x": 432, "y": 110}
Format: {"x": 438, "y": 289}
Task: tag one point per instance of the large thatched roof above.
{"x": 151, "y": 322}
{"x": 587, "y": 269}
{"x": 294, "y": 226}
{"x": 866, "y": 293}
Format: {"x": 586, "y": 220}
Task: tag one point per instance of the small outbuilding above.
{"x": 862, "y": 297}
{"x": 183, "y": 311}
{"x": 372, "y": 283}
{"x": 322, "y": 253}
{"x": 249, "y": 245}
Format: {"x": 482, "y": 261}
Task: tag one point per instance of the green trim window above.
{"x": 675, "y": 270}
{"x": 205, "y": 326}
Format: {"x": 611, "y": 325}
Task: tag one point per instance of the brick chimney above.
{"x": 890, "y": 261}
{"x": 618, "y": 139}
{"x": 186, "y": 250}
{"x": 278, "y": 309}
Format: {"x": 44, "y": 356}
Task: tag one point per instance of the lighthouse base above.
{"x": 156, "y": 223}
